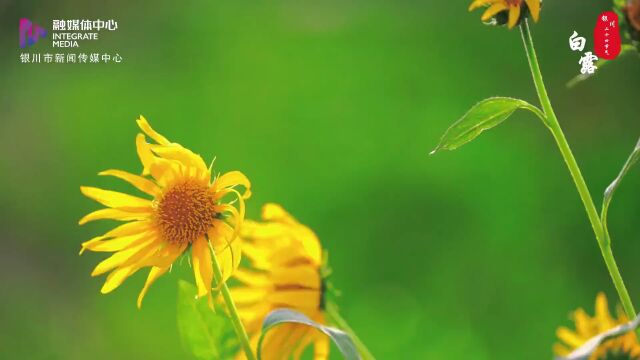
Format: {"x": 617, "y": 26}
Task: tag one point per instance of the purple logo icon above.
{"x": 30, "y": 33}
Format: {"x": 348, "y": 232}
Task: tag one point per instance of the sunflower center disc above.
{"x": 186, "y": 212}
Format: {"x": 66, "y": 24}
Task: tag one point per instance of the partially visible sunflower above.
{"x": 632, "y": 10}
{"x": 632, "y": 15}
{"x": 510, "y": 12}
{"x": 624, "y": 347}
{"x": 187, "y": 209}
{"x": 285, "y": 272}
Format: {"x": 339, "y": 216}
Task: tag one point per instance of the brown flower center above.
{"x": 185, "y": 212}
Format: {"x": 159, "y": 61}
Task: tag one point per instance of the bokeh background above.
{"x": 330, "y": 107}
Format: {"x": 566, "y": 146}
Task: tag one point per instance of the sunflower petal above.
{"x": 185, "y": 156}
{"x": 144, "y": 153}
{"x": 125, "y": 257}
{"x": 234, "y": 178}
{"x": 534, "y": 8}
{"x": 514, "y": 16}
{"x": 272, "y": 343}
{"x": 251, "y": 278}
{"x": 114, "y": 214}
{"x": 202, "y": 268}
{"x": 148, "y": 130}
{"x": 569, "y": 337}
{"x": 493, "y": 10}
{"x": 275, "y": 212}
{"x": 114, "y": 199}
{"x": 479, "y": 3}
{"x": 117, "y": 277}
{"x": 301, "y": 276}
{"x": 229, "y": 257}
{"x": 116, "y": 244}
{"x": 142, "y": 184}
{"x": 248, "y": 295}
{"x": 297, "y": 299}
{"x": 154, "y": 274}
{"x": 321, "y": 348}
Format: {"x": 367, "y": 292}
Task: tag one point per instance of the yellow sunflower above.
{"x": 512, "y": 10}
{"x": 285, "y": 259}
{"x": 623, "y": 347}
{"x": 186, "y": 208}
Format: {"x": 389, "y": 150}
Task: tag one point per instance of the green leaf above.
{"x": 626, "y": 49}
{"x": 611, "y": 189}
{"x": 284, "y": 316}
{"x": 205, "y": 333}
{"x": 584, "y": 352}
{"x": 483, "y": 116}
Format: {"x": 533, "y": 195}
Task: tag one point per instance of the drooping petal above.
{"x": 148, "y": 130}
{"x": 229, "y": 257}
{"x": 114, "y": 199}
{"x": 514, "y": 15}
{"x": 142, "y": 184}
{"x": 237, "y": 215}
{"x": 479, "y": 3}
{"x": 166, "y": 255}
{"x": 202, "y": 267}
{"x": 234, "y": 178}
{"x": 493, "y": 10}
{"x": 144, "y": 153}
{"x": 534, "y": 8}
{"x": 154, "y": 274}
{"x": 117, "y": 277}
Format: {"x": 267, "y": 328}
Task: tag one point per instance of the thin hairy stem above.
{"x": 241, "y": 333}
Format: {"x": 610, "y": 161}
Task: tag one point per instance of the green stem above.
{"x": 241, "y": 333}
{"x": 333, "y": 313}
{"x": 553, "y": 125}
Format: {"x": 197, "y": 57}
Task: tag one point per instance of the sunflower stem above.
{"x": 241, "y": 333}
{"x": 554, "y": 126}
{"x": 334, "y": 315}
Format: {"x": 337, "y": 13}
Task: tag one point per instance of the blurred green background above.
{"x": 330, "y": 107}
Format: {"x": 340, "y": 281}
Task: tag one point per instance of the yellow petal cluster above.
{"x": 625, "y": 346}
{"x": 285, "y": 259}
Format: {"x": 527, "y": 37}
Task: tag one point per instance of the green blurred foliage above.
{"x": 330, "y": 108}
